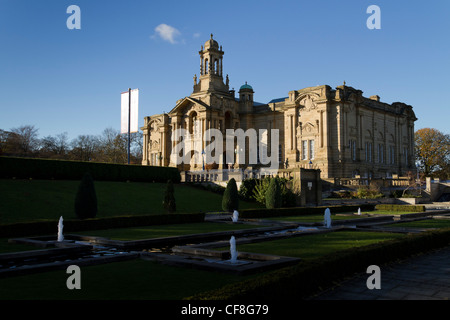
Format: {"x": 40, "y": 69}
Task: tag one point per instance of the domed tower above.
{"x": 246, "y": 97}
{"x": 211, "y": 68}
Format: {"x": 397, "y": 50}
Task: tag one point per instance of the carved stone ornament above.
{"x": 307, "y": 102}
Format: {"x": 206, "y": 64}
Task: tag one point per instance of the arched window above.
{"x": 206, "y": 66}
{"x": 192, "y": 123}
{"x": 228, "y": 120}
{"x": 216, "y": 66}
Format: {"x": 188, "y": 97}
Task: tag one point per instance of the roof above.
{"x": 246, "y": 86}
{"x": 277, "y": 100}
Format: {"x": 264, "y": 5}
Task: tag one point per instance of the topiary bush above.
{"x": 169, "y": 198}
{"x": 230, "y": 199}
{"x": 86, "y": 198}
{"x": 273, "y": 195}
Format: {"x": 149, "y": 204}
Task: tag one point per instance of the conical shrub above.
{"x": 230, "y": 200}
{"x": 273, "y": 195}
{"x": 169, "y": 198}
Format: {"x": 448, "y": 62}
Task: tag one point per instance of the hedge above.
{"x": 308, "y": 278}
{"x": 297, "y": 211}
{"x": 25, "y": 168}
{"x": 400, "y": 207}
{"x": 50, "y": 227}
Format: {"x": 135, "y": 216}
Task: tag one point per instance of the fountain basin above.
{"x": 215, "y": 260}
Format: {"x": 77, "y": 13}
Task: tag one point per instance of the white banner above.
{"x": 134, "y": 111}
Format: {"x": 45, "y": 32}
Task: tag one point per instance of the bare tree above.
{"x": 54, "y": 147}
{"x": 25, "y": 139}
{"x": 112, "y": 146}
{"x": 84, "y": 147}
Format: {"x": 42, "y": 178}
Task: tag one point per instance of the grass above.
{"x": 37, "y": 200}
{"x": 317, "y": 245}
{"x": 6, "y": 247}
{"x": 150, "y": 232}
{"x": 340, "y": 216}
{"x": 311, "y": 218}
{"x": 128, "y": 280}
{"x": 40, "y": 200}
{"x": 426, "y": 223}
{"x": 138, "y": 279}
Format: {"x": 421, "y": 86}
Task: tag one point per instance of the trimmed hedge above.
{"x": 298, "y": 211}
{"x": 308, "y": 278}
{"x": 25, "y": 168}
{"x": 400, "y": 207}
{"x": 51, "y": 227}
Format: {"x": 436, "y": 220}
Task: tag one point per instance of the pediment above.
{"x": 187, "y": 104}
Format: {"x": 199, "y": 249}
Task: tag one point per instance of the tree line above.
{"x": 110, "y": 146}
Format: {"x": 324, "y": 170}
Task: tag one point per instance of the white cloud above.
{"x": 196, "y": 35}
{"x": 167, "y": 33}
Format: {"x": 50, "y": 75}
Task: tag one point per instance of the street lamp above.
{"x": 203, "y": 159}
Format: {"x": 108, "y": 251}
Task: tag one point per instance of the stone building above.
{"x": 338, "y": 131}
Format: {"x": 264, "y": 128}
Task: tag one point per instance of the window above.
{"x": 352, "y": 146}
{"x": 405, "y": 152}
{"x": 304, "y": 150}
{"x": 381, "y": 153}
{"x": 369, "y": 151}
{"x": 391, "y": 155}
{"x": 280, "y": 153}
{"x": 311, "y": 150}
{"x": 308, "y": 149}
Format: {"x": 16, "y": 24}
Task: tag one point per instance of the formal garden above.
{"x": 149, "y": 214}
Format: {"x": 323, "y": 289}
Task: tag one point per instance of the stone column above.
{"x": 145, "y": 149}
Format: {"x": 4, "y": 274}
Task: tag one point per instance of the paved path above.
{"x": 425, "y": 277}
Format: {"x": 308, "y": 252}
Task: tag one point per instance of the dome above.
{"x": 211, "y": 43}
{"x": 246, "y": 86}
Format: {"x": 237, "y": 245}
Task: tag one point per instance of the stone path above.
{"x": 425, "y": 277}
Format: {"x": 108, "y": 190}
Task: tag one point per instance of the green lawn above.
{"x": 38, "y": 200}
{"x": 312, "y": 218}
{"x": 317, "y": 245}
{"x": 426, "y": 223}
{"x": 149, "y": 232}
{"x": 340, "y": 216}
{"x": 131, "y": 280}
{"x": 6, "y": 247}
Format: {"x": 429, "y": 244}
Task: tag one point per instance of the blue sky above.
{"x": 62, "y": 80}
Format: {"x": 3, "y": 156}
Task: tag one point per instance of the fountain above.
{"x": 235, "y": 216}
{"x": 359, "y": 211}
{"x": 60, "y": 230}
{"x": 233, "y": 251}
{"x": 327, "y": 218}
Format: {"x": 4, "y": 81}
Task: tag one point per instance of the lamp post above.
{"x": 203, "y": 159}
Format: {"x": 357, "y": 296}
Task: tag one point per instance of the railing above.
{"x": 383, "y": 183}
{"x": 218, "y": 175}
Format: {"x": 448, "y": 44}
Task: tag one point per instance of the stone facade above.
{"x": 338, "y": 131}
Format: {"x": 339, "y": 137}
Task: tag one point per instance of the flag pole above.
{"x": 129, "y": 122}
